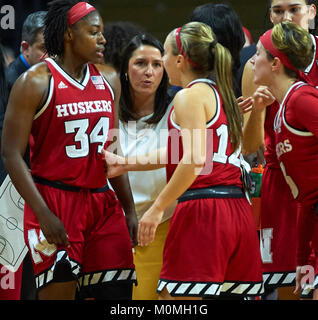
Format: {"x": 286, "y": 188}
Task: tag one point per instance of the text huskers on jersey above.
{"x": 67, "y": 109}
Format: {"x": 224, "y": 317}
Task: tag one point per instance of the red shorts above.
{"x": 100, "y": 248}
{"x": 10, "y": 283}
{"x": 212, "y": 247}
{"x": 278, "y": 230}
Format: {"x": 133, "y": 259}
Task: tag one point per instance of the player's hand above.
{"x": 148, "y": 225}
{"x": 115, "y": 165}
{"x": 262, "y": 98}
{"x": 53, "y": 230}
{"x": 132, "y": 225}
{"x": 245, "y": 105}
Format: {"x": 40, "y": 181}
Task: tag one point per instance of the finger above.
{"x": 247, "y": 109}
{"x": 152, "y": 232}
{"x": 139, "y": 234}
{"x": 144, "y": 235}
{"x": 239, "y": 99}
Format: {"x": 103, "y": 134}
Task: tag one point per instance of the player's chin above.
{"x": 97, "y": 59}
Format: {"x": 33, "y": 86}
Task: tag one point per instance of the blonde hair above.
{"x": 295, "y": 42}
{"x": 200, "y": 46}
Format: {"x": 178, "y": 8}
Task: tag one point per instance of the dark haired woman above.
{"x": 212, "y": 247}
{"x": 281, "y": 52}
{"x": 278, "y": 208}
{"x": 74, "y": 226}
{"x": 226, "y": 25}
{"x": 143, "y": 113}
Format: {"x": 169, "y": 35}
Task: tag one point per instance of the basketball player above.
{"x": 281, "y": 52}
{"x": 66, "y": 108}
{"x": 212, "y": 246}
{"x": 278, "y": 208}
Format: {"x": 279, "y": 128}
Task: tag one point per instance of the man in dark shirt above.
{"x": 32, "y": 48}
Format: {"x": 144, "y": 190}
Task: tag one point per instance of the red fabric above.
{"x": 266, "y": 40}
{"x": 79, "y": 11}
{"x": 219, "y": 169}
{"x": 179, "y": 45}
{"x": 278, "y": 214}
{"x": 248, "y": 34}
{"x": 68, "y": 136}
{"x": 95, "y": 225}
{"x": 212, "y": 240}
{"x": 8, "y": 279}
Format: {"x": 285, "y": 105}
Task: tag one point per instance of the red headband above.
{"x": 182, "y": 51}
{"x": 266, "y": 40}
{"x": 79, "y": 11}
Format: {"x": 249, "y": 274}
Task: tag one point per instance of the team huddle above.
{"x": 119, "y": 217}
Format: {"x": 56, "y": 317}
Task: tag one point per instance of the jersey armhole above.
{"x": 48, "y": 99}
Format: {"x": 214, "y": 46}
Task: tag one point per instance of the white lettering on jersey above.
{"x": 39, "y": 244}
{"x": 221, "y": 156}
{"x": 67, "y": 109}
{"x": 266, "y": 235}
{"x": 283, "y": 147}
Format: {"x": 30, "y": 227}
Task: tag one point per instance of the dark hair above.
{"x": 117, "y": 35}
{"x": 56, "y": 25}
{"x": 32, "y": 26}
{"x": 3, "y": 82}
{"x": 227, "y": 27}
{"x": 161, "y": 100}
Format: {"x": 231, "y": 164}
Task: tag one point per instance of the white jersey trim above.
{"x": 293, "y": 130}
{"x": 79, "y": 85}
{"x": 48, "y": 100}
{"x": 307, "y": 70}
{"x": 218, "y": 104}
{"x": 109, "y": 87}
{"x": 281, "y": 106}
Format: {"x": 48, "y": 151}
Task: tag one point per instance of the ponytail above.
{"x": 223, "y": 77}
{"x": 197, "y": 42}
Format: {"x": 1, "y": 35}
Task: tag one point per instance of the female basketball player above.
{"x": 74, "y": 226}
{"x": 281, "y": 52}
{"x": 212, "y": 246}
{"x": 278, "y": 208}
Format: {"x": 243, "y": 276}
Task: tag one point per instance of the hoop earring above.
{"x": 126, "y": 76}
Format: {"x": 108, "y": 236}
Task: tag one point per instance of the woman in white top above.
{"x": 144, "y": 108}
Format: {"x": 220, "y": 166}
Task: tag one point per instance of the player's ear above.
{"x": 68, "y": 36}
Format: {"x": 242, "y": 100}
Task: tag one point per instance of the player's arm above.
{"x": 305, "y": 108}
{"x": 27, "y": 95}
{"x": 121, "y": 183}
{"x": 253, "y": 129}
{"x": 191, "y": 117}
{"x": 117, "y": 165}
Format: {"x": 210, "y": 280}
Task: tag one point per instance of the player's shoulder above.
{"x": 36, "y": 78}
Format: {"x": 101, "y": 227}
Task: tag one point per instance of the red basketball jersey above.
{"x": 269, "y": 136}
{"x": 222, "y": 164}
{"x": 296, "y": 128}
{"x": 309, "y": 75}
{"x": 70, "y": 130}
